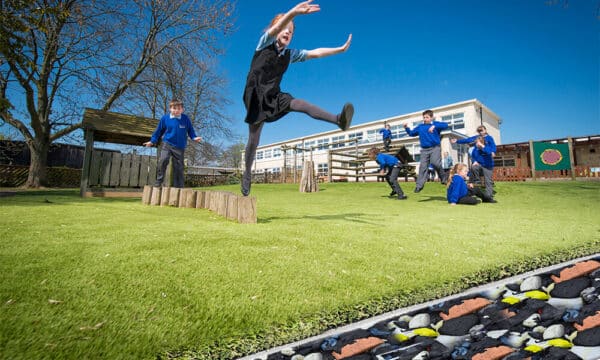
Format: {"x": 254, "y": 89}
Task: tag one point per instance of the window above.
{"x": 373, "y": 135}
{"x": 335, "y": 139}
{"x": 323, "y": 144}
{"x": 455, "y": 121}
{"x": 415, "y": 151}
{"x": 398, "y": 131}
{"x": 276, "y": 170}
{"x": 267, "y": 154}
{"x": 505, "y": 161}
{"x": 309, "y": 144}
{"x": 322, "y": 169}
{"x": 358, "y": 136}
{"x": 259, "y": 155}
{"x": 277, "y": 152}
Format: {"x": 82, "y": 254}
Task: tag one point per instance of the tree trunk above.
{"x": 38, "y": 166}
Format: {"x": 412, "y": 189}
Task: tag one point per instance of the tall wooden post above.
{"x": 572, "y": 158}
{"x": 329, "y": 166}
{"x": 532, "y": 157}
{"x": 295, "y": 164}
{"x": 87, "y": 161}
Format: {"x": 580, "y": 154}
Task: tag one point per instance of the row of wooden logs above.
{"x": 227, "y": 204}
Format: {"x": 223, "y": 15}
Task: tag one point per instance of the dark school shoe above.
{"x": 402, "y": 197}
{"x": 345, "y": 117}
{"x": 393, "y": 193}
{"x": 418, "y": 190}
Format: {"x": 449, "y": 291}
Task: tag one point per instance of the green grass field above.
{"x": 112, "y": 278}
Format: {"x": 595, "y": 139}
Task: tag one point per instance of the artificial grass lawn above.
{"x": 112, "y": 278}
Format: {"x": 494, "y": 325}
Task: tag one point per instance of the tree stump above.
{"x": 174, "y": 197}
{"x": 232, "y": 206}
{"x": 227, "y": 204}
{"x": 147, "y": 195}
{"x": 200, "y": 198}
{"x": 308, "y": 182}
{"x": 155, "y": 200}
{"x": 246, "y": 210}
{"x": 187, "y": 198}
{"x": 164, "y": 197}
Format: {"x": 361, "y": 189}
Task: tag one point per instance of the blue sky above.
{"x": 535, "y": 65}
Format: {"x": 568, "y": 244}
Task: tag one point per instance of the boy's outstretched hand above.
{"x": 306, "y": 7}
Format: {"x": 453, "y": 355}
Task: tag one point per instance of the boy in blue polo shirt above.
{"x": 391, "y": 165}
{"x": 174, "y": 128}
{"x": 386, "y": 135}
{"x": 431, "y": 152}
{"x": 482, "y": 159}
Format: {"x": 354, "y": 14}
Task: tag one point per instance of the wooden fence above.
{"x": 229, "y": 205}
{"x": 113, "y": 169}
{"x": 16, "y": 175}
{"x": 522, "y": 174}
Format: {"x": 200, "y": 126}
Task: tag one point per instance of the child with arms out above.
{"x": 173, "y": 128}
{"x": 263, "y": 98}
{"x": 431, "y": 153}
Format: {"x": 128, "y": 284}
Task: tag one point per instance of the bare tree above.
{"x": 179, "y": 74}
{"x": 59, "y": 56}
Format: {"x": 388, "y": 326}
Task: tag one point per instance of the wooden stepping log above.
{"x": 227, "y": 204}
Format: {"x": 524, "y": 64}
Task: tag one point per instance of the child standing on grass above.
{"x": 264, "y": 100}
{"x": 389, "y": 166}
{"x": 176, "y": 127}
{"x": 431, "y": 153}
{"x": 458, "y": 191}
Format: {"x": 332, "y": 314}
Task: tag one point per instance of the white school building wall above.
{"x": 463, "y": 117}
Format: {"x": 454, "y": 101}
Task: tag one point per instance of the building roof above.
{"x": 118, "y": 128}
{"x": 393, "y": 118}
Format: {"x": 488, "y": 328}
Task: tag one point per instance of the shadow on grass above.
{"x": 350, "y": 217}
{"x": 434, "y": 198}
{"x": 18, "y": 197}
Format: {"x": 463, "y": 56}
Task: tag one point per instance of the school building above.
{"x": 340, "y": 155}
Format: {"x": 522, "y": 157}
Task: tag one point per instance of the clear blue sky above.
{"x": 537, "y": 66}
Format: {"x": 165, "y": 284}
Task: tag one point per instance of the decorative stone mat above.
{"x": 550, "y": 313}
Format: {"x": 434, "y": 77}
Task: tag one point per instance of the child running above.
{"x": 264, "y": 100}
{"x": 458, "y": 191}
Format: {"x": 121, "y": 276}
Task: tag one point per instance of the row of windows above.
{"x": 455, "y": 122}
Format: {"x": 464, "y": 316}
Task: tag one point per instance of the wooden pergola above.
{"x": 113, "y": 169}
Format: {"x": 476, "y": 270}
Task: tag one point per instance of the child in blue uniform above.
{"x": 386, "y": 134}
{"x": 458, "y": 191}
{"x": 482, "y": 159}
{"x": 176, "y": 127}
{"x": 264, "y": 100}
{"x": 390, "y": 167}
{"x": 431, "y": 153}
